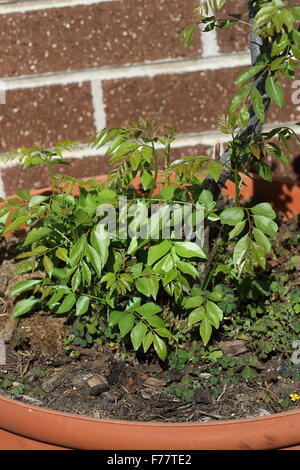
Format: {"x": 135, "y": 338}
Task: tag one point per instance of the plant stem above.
{"x": 154, "y": 184}
{"x": 254, "y": 128}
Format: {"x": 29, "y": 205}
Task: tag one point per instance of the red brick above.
{"x": 105, "y": 34}
{"x": 16, "y": 178}
{"x": 290, "y": 111}
{"x": 46, "y": 114}
{"x": 190, "y": 102}
{"x": 236, "y": 39}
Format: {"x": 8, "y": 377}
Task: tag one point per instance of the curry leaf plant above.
{"x": 138, "y": 275}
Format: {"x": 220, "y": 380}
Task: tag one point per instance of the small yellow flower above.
{"x": 294, "y": 396}
{"x": 111, "y": 345}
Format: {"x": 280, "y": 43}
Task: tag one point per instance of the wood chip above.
{"x": 6, "y": 332}
{"x": 98, "y": 389}
{"x": 96, "y": 379}
{"x": 2, "y": 353}
{"x": 234, "y": 347}
{"x": 154, "y": 382}
{"x": 97, "y": 363}
{"x": 201, "y": 396}
{"x": 50, "y": 383}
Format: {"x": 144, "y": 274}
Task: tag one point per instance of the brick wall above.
{"x": 72, "y": 67}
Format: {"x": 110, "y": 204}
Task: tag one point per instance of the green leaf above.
{"x": 115, "y": 143}
{"x": 216, "y": 295}
{"x": 263, "y": 170}
{"x": 137, "y": 335}
{"x": 23, "y": 194}
{"x": 58, "y": 294}
{"x": 240, "y": 97}
{"x": 48, "y": 265}
{"x": 77, "y": 250}
{"x": 147, "y": 341}
{"x": 39, "y": 250}
{"x": 280, "y": 44}
{"x": 147, "y": 153}
{"x": 215, "y": 168}
{"x": 266, "y": 225}
{"x": 164, "y": 332}
{"x": 62, "y": 254}
{"x": 126, "y": 148}
{"x": 196, "y": 316}
{"x": 244, "y": 116}
{"x": 262, "y": 240}
{"x": 82, "y": 305}
{"x": 213, "y": 313}
{"x": 153, "y": 286}
{"x": 148, "y": 286}
{"x": 67, "y": 304}
{"x": 94, "y": 259}
{"x": 296, "y": 52}
{"x": 258, "y": 105}
{"x": 240, "y": 250}
{"x": 134, "y": 159}
{"x": 232, "y": 216}
{"x": 186, "y": 34}
{"x": 249, "y": 73}
{"x": 158, "y": 251}
{"x": 46, "y": 292}
{"x": 249, "y": 373}
{"x": 192, "y": 302}
{"x": 206, "y": 198}
{"x": 287, "y": 19}
{"x": 170, "y": 276}
{"x": 100, "y": 241}
{"x": 237, "y": 230}
{"x": 146, "y": 179}
{"x": 36, "y": 234}
{"x": 187, "y": 268}
{"x": 86, "y": 273}
{"x": 37, "y": 200}
{"x": 155, "y": 321}
{"x": 264, "y": 209}
{"x": 148, "y": 309}
{"x": 296, "y": 12}
{"x": 258, "y": 255}
{"x": 167, "y": 192}
{"x": 189, "y": 250}
{"x": 275, "y": 91}
{"x": 76, "y": 280}
{"x": 24, "y": 306}
{"x": 16, "y": 224}
{"x": 142, "y": 285}
{"x": 109, "y": 278}
{"x": 23, "y": 286}
{"x": 126, "y": 323}
{"x": 166, "y": 264}
{"x": 296, "y": 37}
{"x": 114, "y": 317}
{"x": 205, "y": 330}
{"x": 160, "y": 347}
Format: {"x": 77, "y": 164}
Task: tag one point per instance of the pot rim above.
{"x": 67, "y": 430}
{"x": 49, "y": 411}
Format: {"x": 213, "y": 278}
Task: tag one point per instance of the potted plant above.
{"x": 145, "y": 257}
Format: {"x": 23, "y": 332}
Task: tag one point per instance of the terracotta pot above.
{"x": 28, "y": 427}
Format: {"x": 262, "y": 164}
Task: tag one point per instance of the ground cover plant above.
{"x": 152, "y": 261}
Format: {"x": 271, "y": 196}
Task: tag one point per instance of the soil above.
{"x": 103, "y": 382}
